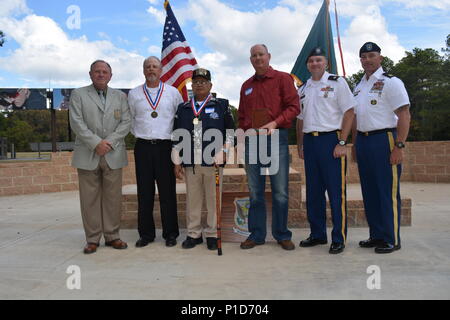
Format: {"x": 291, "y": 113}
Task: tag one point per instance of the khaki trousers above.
{"x": 101, "y": 202}
{"x": 200, "y": 184}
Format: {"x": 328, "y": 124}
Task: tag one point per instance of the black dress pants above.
{"x": 154, "y": 163}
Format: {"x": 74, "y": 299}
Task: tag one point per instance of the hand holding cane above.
{"x": 218, "y": 211}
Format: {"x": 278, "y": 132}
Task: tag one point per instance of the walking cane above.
{"x": 218, "y": 212}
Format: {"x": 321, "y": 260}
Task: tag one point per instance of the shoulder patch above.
{"x": 388, "y": 75}
{"x": 333, "y": 77}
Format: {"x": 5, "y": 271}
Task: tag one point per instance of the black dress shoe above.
{"x": 171, "y": 242}
{"x": 142, "y": 243}
{"x": 336, "y": 247}
{"x": 386, "y": 248}
{"x": 371, "y": 243}
{"x": 310, "y": 242}
{"x": 191, "y": 242}
{"x": 211, "y": 243}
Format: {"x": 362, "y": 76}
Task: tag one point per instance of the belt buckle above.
{"x": 315, "y": 133}
{"x": 366, "y": 133}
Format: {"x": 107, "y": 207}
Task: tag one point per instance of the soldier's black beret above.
{"x": 369, "y": 47}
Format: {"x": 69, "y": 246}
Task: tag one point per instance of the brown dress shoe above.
{"x": 90, "y": 248}
{"x": 248, "y": 244}
{"x": 286, "y": 244}
{"x": 117, "y": 244}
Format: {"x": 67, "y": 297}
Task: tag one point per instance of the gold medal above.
{"x": 195, "y": 121}
{"x": 154, "y": 104}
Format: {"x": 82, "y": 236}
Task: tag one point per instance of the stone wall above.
{"x": 424, "y": 162}
{"x": 427, "y": 161}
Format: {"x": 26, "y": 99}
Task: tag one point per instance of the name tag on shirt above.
{"x": 209, "y": 110}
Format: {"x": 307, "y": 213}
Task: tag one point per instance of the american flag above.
{"x": 177, "y": 59}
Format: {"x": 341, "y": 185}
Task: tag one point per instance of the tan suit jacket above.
{"x": 92, "y": 122}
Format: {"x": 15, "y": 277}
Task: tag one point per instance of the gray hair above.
{"x": 96, "y": 61}
{"x": 152, "y": 57}
{"x": 259, "y": 44}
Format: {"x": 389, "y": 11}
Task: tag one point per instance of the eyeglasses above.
{"x": 199, "y": 83}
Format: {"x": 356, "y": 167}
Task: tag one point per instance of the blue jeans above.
{"x": 279, "y": 180}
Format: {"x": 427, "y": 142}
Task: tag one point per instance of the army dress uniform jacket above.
{"x": 216, "y": 114}
{"x": 93, "y": 122}
{"x": 377, "y": 99}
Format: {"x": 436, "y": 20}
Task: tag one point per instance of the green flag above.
{"x": 320, "y": 35}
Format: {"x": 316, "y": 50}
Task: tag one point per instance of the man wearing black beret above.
{"x": 382, "y": 125}
{"x": 323, "y": 126}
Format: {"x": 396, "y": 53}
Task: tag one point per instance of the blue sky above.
{"x": 42, "y": 51}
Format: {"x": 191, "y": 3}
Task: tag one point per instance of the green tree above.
{"x": 426, "y": 76}
{"x": 40, "y": 121}
{"x": 447, "y": 46}
{"x": 18, "y": 132}
{"x": 2, "y": 38}
{"x": 130, "y": 141}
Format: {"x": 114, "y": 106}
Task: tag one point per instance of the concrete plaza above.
{"x": 42, "y": 235}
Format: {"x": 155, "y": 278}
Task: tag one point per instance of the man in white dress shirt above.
{"x": 153, "y": 106}
{"x": 382, "y": 122}
{"x": 323, "y": 126}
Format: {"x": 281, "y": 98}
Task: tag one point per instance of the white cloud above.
{"x": 283, "y": 29}
{"x": 160, "y": 15}
{"x": 46, "y": 54}
{"x": 103, "y": 35}
{"x": 234, "y": 32}
{"x": 436, "y": 4}
{"x": 154, "y": 50}
{"x": 369, "y": 25}
{"x": 13, "y": 7}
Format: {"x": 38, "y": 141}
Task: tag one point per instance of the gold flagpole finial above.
{"x": 166, "y": 2}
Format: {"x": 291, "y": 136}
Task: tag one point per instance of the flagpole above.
{"x": 328, "y": 36}
{"x": 339, "y": 38}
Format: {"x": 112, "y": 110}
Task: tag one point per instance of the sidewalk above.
{"x": 42, "y": 235}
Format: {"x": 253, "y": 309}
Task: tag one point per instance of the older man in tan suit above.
{"x": 100, "y": 118}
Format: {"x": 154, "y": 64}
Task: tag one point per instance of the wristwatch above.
{"x": 399, "y": 144}
{"x": 342, "y": 142}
